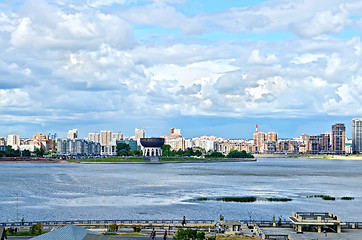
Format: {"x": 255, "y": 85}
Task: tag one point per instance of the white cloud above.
{"x": 84, "y": 63}
{"x": 256, "y": 58}
{"x": 324, "y": 22}
{"x": 307, "y": 58}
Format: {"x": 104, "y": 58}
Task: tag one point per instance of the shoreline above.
{"x": 168, "y": 162}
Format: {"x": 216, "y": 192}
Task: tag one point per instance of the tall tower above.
{"x": 338, "y": 138}
{"x": 357, "y": 135}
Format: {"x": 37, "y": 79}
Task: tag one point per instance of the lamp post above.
{"x": 17, "y": 207}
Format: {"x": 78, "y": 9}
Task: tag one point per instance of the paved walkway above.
{"x": 347, "y": 234}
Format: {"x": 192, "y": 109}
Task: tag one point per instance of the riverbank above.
{"x": 163, "y": 160}
{"x": 336, "y": 157}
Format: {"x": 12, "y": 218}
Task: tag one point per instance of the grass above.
{"x": 228, "y": 199}
{"x": 23, "y": 233}
{"x": 139, "y": 159}
{"x": 170, "y": 159}
{"x": 279, "y": 199}
{"x": 223, "y": 237}
{"x": 347, "y": 198}
{"x": 324, "y": 197}
{"x": 237, "y": 199}
{"x": 113, "y": 159}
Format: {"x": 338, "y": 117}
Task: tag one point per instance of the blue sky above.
{"x": 207, "y": 67}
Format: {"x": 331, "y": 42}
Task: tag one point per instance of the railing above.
{"x": 103, "y": 222}
{"x": 276, "y": 236}
{"x": 261, "y": 223}
{"x": 352, "y": 225}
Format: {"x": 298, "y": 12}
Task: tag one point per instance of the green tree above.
{"x": 166, "y": 150}
{"x": 36, "y": 229}
{"x": 10, "y": 152}
{"x": 113, "y": 227}
{"x": 237, "y": 154}
{"x": 136, "y": 153}
{"x": 189, "y": 234}
{"x": 39, "y": 152}
{"x": 189, "y": 152}
{"x": 123, "y": 152}
{"x": 26, "y": 153}
{"x": 198, "y": 153}
{"x": 216, "y": 155}
{"x": 123, "y": 149}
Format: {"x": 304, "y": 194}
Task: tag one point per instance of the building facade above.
{"x": 357, "y": 135}
{"x": 338, "y": 138}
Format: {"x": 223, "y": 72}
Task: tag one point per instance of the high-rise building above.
{"x": 13, "y": 141}
{"x": 175, "y": 133}
{"x": 105, "y": 137}
{"x": 94, "y": 137}
{"x": 139, "y": 133}
{"x": 117, "y": 136}
{"x": 357, "y": 135}
{"x": 73, "y": 134}
{"x": 272, "y": 137}
{"x": 324, "y": 142}
{"x": 338, "y": 140}
{"x": 259, "y": 141}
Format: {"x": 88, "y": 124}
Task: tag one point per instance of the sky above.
{"x": 207, "y": 67}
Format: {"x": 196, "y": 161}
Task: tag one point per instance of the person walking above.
{"x": 165, "y": 235}
{"x": 153, "y": 234}
{"x": 184, "y": 222}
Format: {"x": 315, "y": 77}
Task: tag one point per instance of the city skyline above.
{"x": 214, "y": 68}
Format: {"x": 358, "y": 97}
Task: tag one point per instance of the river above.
{"x": 38, "y": 191}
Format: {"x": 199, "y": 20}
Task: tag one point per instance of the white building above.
{"x": 105, "y": 137}
{"x": 139, "y": 133}
{"x": 72, "y": 134}
{"x": 78, "y": 147}
{"x": 117, "y": 136}
{"x": 94, "y": 137}
{"x": 13, "y": 141}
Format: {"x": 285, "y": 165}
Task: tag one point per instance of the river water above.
{"x": 39, "y": 191}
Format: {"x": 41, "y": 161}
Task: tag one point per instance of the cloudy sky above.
{"x": 208, "y": 67}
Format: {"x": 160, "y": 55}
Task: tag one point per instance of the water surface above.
{"x": 39, "y": 191}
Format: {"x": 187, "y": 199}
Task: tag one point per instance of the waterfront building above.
{"x": 348, "y": 146}
{"x": 259, "y": 141}
{"x": 139, "y": 133}
{"x": 72, "y": 134}
{"x": 357, "y": 135}
{"x": 313, "y": 145}
{"x": 132, "y": 143}
{"x": 95, "y": 137}
{"x": 338, "y": 142}
{"x": 206, "y": 142}
{"x": 78, "y": 147}
{"x": 152, "y": 148}
{"x": 105, "y": 137}
{"x": 175, "y": 133}
{"x": 325, "y": 142}
{"x": 2, "y": 148}
{"x": 13, "y": 141}
{"x": 117, "y": 136}
{"x": 27, "y": 144}
{"x": 2, "y": 142}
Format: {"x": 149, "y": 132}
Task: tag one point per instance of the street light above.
{"x": 17, "y": 207}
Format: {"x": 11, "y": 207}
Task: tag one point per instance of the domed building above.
{"x": 152, "y": 148}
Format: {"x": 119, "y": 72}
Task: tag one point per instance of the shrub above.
{"x": 36, "y": 229}
{"x": 113, "y": 227}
